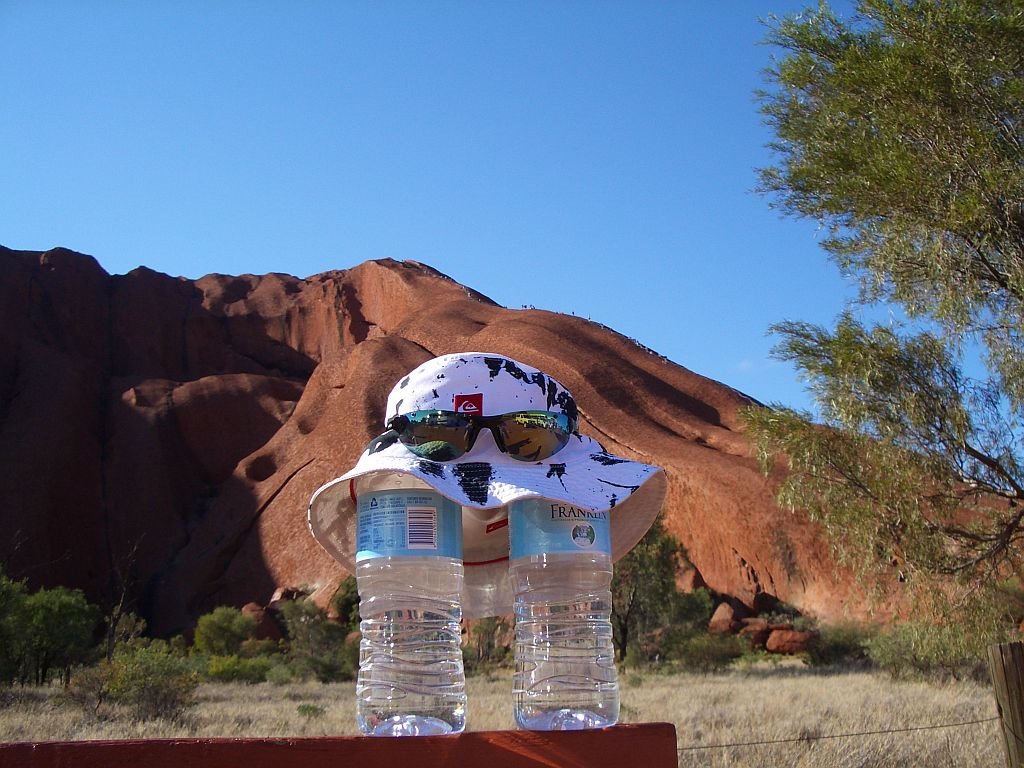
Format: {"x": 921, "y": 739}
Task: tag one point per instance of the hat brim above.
{"x": 484, "y": 483}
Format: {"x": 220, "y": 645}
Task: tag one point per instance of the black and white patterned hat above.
{"x": 485, "y": 480}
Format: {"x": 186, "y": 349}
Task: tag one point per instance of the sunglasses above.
{"x": 446, "y": 435}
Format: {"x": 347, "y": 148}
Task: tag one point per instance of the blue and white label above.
{"x": 407, "y": 522}
{"x": 544, "y": 527}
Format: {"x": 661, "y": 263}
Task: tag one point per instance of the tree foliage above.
{"x": 50, "y": 630}
{"x": 647, "y": 606}
{"x": 346, "y": 603}
{"x": 58, "y": 634}
{"x": 12, "y": 621}
{"x": 317, "y": 645}
{"x": 222, "y": 631}
{"x": 146, "y": 679}
{"x": 899, "y": 130}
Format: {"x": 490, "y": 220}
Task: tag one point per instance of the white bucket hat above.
{"x": 484, "y": 480}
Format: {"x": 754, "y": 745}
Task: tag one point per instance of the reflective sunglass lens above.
{"x": 434, "y": 435}
{"x": 436, "y": 450}
{"x": 445, "y": 435}
{"x": 534, "y": 435}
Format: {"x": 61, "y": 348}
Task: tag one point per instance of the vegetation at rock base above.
{"x": 900, "y": 131}
{"x": 228, "y": 682}
{"x": 47, "y": 631}
{"x": 651, "y": 618}
{"x": 56, "y": 632}
{"x": 222, "y": 631}
{"x": 150, "y": 681}
{"x": 317, "y": 647}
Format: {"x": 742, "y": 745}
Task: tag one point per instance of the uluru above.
{"x": 162, "y": 436}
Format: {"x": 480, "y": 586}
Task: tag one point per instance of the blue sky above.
{"x": 595, "y": 158}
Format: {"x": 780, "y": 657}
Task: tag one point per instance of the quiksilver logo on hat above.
{"x": 473, "y": 403}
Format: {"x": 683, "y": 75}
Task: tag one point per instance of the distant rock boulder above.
{"x": 723, "y": 620}
{"x": 789, "y": 641}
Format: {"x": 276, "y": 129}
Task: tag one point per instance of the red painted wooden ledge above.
{"x": 650, "y": 745}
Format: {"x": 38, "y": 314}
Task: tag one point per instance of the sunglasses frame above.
{"x": 474, "y": 424}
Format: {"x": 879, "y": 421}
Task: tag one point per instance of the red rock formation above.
{"x": 266, "y": 627}
{"x": 755, "y": 631}
{"x": 789, "y": 641}
{"x": 723, "y": 620}
{"x": 169, "y": 432}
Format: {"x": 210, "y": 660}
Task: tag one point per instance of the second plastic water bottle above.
{"x": 409, "y": 573}
{"x": 561, "y": 570}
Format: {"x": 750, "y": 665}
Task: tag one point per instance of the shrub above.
{"x": 234, "y": 669}
{"x": 252, "y": 648}
{"x": 840, "y": 644}
{"x": 89, "y": 688}
{"x": 222, "y": 631}
{"x": 147, "y": 680}
{"x": 316, "y": 645}
{"x": 280, "y": 674}
{"x": 122, "y": 627}
{"x": 914, "y": 649}
{"x": 346, "y": 604}
{"x": 338, "y": 664}
{"x": 691, "y": 612}
{"x": 153, "y": 683}
{"x": 710, "y": 653}
{"x": 634, "y": 658}
{"x": 310, "y": 711}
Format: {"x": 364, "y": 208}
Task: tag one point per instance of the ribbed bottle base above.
{"x": 563, "y": 720}
{"x": 407, "y": 725}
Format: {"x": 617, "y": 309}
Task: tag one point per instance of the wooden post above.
{"x": 1006, "y": 663}
{"x": 650, "y": 745}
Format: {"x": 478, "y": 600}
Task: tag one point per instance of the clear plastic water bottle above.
{"x": 409, "y": 573}
{"x": 561, "y": 570}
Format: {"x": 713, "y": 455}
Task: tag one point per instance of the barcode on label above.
{"x": 421, "y": 527}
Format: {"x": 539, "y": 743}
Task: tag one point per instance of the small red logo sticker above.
{"x": 471, "y": 404}
{"x": 492, "y": 527}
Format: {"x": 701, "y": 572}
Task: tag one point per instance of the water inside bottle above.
{"x": 565, "y": 677}
{"x": 561, "y": 570}
{"x": 410, "y": 574}
{"x": 411, "y": 680}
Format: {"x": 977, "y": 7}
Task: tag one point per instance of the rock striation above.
{"x": 162, "y": 436}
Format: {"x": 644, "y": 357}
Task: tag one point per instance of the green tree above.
{"x": 222, "y": 631}
{"x": 899, "y": 130}
{"x": 316, "y": 645}
{"x": 12, "y": 622}
{"x": 484, "y": 647}
{"x": 646, "y": 603}
{"x": 345, "y": 603}
{"x": 57, "y": 634}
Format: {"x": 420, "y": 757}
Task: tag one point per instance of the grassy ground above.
{"x": 809, "y": 713}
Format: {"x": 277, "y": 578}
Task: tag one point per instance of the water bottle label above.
{"x": 544, "y": 527}
{"x": 408, "y": 522}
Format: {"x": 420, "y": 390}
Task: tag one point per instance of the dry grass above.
{"x": 755, "y": 705}
{"x": 784, "y": 705}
